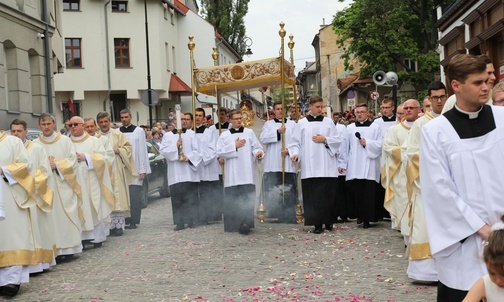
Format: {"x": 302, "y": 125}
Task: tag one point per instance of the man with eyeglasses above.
{"x": 361, "y": 161}
{"x": 450, "y": 102}
{"x": 136, "y": 136}
{"x": 421, "y": 266}
{"x": 498, "y": 94}
{"x": 461, "y": 171}
{"x": 394, "y": 171}
{"x": 388, "y": 118}
{"x": 239, "y": 147}
{"x": 182, "y": 152}
{"x": 67, "y": 198}
{"x": 97, "y": 193}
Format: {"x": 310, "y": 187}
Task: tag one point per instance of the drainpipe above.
{"x": 107, "y": 49}
{"x": 47, "y": 57}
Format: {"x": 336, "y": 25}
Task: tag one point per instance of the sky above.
{"x": 302, "y": 19}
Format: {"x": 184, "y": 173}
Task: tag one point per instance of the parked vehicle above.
{"x": 157, "y": 180}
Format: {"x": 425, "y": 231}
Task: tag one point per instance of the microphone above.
{"x": 357, "y": 135}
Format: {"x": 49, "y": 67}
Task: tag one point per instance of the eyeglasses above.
{"x": 499, "y": 101}
{"x": 185, "y": 119}
{"x": 237, "y": 118}
{"x": 360, "y": 112}
{"x": 383, "y": 107}
{"x": 410, "y": 108}
{"x": 437, "y": 98}
{"x": 74, "y": 124}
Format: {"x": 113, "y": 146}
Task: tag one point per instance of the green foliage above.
{"x": 227, "y": 18}
{"x": 381, "y": 34}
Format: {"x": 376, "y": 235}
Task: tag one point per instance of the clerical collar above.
{"x": 200, "y": 129}
{"x": 407, "y": 123}
{"x": 79, "y": 137}
{"x": 470, "y": 127}
{"x": 434, "y": 114}
{"x": 175, "y": 131}
{"x": 472, "y": 115}
{"x": 279, "y": 121}
{"x": 128, "y": 129}
{"x": 389, "y": 119}
{"x": 105, "y": 133}
{"x": 225, "y": 125}
{"x": 236, "y": 130}
{"x": 25, "y": 142}
{"x": 312, "y": 118}
{"x": 365, "y": 123}
{"x": 50, "y": 137}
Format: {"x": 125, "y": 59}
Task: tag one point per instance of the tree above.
{"x": 227, "y": 18}
{"x": 384, "y": 33}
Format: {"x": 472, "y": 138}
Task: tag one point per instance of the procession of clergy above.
{"x": 61, "y": 193}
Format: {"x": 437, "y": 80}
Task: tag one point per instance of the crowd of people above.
{"x": 342, "y": 167}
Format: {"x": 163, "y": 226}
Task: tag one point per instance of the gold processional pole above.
{"x": 282, "y": 33}
{"x": 215, "y": 57}
{"x": 299, "y": 207}
{"x": 191, "y": 46}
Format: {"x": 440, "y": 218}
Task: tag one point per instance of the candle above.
{"x": 177, "y": 116}
{"x": 329, "y": 115}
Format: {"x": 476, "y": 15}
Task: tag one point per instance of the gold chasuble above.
{"x": 41, "y": 214}
{"x": 17, "y": 246}
{"x": 96, "y": 179}
{"x": 67, "y": 192}
{"x": 124, "y": 170}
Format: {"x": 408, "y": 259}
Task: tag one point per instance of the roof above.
{"x": 178, "y": 6}
{"x": 178, "y": 86}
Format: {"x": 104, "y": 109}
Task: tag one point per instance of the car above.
{"x": 157, "y": 180}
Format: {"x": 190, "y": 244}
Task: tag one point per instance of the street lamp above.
{"x": 248, "y": 42}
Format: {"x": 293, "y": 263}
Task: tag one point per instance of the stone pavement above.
{"x": 276, "y": 262}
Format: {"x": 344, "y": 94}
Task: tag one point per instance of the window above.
{"x": 118, "y": 101}
{"x": 70, "y": 109}
{"x": 167, "y": 55}
{"x": 73, "y": 52}
{"x": 71, "y": 5}
{"x": 174, "y": 55}
{"x": 120, "y": 6}
{"x": 122, "y": 52}
{"x": 410, "y": 64}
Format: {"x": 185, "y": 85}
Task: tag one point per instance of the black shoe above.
{"x": 244, "y": 229}
{"x": 366, "y": 225}
{"x": 116, "y": 232}
{"x": 9, "y": 290}
{"x": 192, "y": 225}
{"x": 329, "y": 226}
{"x": 97, "y": 245}
{"x": 343, "y": 219}
{"x": 130, "y": 226}
{"x": 318, "y": 229}
{"x": 179, "y": 227}
{"x": 359, "y": 221}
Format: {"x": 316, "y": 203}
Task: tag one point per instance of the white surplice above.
{"x": 461, "y": 192}
{"x": 273, "y": 142}
{"x": 140, "y": 155}
{"x": 181, "y": 171}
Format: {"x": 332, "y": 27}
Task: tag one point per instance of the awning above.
{"x": 177, "y": 86}
{"x": 244, "y": 75}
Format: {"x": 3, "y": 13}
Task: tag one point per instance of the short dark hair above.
{"x": 436, "y": 85}
{"x": 224, "y": 109}
{"x": 19, "y": 121}
{"x": 125, "y": 110}
{"x": 45, "y": 116}
{"x": 102, "y": 114}
{"x": 315, "y": 99}
{"x": 486, "y": 59}
{"x": 190, "y": 114}
{"x": 463, "y": 65}
{"x": 200, "y": 110}
{"x": 233, "y": 112}
{"x": 387, "y": 100}
{"x": 277, "y": 103}
{"x": 361, "y": 105}
{"x": 90, "y": 119}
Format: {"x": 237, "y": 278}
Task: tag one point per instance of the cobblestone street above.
{"x": 276, "y": 262}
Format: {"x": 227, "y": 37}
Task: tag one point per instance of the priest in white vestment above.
{"x": 421, "y": 265}
{"x": 183, "y": 157}
{"x": 136, "y": 136}
{"x": 93, "y": 165}
{"x": 461, "y": 169}
{"x": 280, "y": 197}
{"x": 124, "y": 172}
{"x": 394, "y": 171}
{"x": 17, "y": 245}
{"x": 67, "y": 200}
{"x": 42, "y": 223}
{"x": 239, "y": 147}
{"x": 315, "y": 143}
